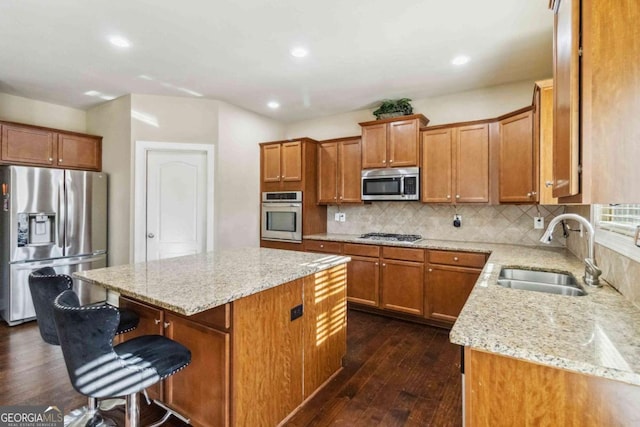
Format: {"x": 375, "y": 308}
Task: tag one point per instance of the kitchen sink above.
{"x": 540, "y": 281}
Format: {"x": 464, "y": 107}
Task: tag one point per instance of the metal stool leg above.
{"x": 132, "y": 411}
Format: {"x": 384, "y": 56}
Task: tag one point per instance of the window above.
{"x": 616, "y": 227}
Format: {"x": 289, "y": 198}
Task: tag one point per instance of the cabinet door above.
{"x": 403, "y": 286}
{"x": 517, "y": 159}
{"x": 363, "y": 281}
{"x": 472, "y": 164}
{"x": 350, "y": 177}
{"x": 374, "y": 146}
{"x": 437, "y": 146}
{"x": 448, "y": 289}
{"x": 543, "y": 138}
{"x": 566, "y": 72}
{"x": 325, "y": 326}
{"x": 25, "y": 145}
{"x": 292, "y": 161}
{"x": 328, "y": 172}
{"x": 403, "y": 143}
{"x": 201, "y": 391}
{"x": 79, "y": 152}
{"x": 271, "y": 163}
{"x": 151, "y": 323}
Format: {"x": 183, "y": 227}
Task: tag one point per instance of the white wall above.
{"x": 39, "y": 113}
{"x": 457, "y": 107}
{"x": 112, "y": 120}
{"x": 238, "y": 174}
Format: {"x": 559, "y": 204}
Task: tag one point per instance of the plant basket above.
{"x": 390, "y": 115}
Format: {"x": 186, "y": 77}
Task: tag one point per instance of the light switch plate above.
{"x": 342, "y": 216}
{"x": 538, "y": 223}
{"x": 336, "y": 217}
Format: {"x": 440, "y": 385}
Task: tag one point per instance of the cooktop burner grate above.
{"x": 392, "y": 237}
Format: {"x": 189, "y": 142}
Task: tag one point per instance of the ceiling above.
{"x": 238, "y": 50}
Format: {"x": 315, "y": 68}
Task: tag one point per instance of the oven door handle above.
{"x": 282, "y": 205}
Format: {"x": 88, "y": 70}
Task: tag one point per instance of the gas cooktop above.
{"x": 392, "y": 237}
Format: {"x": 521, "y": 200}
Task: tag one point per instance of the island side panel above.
{"x": 267, "y": 356}
{"x": 325, "y": 326}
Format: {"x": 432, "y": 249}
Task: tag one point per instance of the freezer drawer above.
{"x": 18, "y": 306}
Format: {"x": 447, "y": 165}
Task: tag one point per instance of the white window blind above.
{"x": 622, "y": 219}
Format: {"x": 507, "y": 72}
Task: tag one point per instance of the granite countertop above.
{"x": 596, "y": 334}
{"x": 195, "y": 283}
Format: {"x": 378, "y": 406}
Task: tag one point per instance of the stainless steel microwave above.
{"x": 282, "y": 216}
{"x": 391, "y": 184}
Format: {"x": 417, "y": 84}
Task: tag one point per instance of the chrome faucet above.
{"x": 591, "y": 270}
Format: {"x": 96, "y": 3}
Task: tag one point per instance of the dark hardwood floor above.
{"x": 396, "y": 374}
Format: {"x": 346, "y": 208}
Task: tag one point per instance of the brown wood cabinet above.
{"x": 596, "y": 123}
{"x": 402, "y": 280}
{"x": 392, "y": 142}
{"x": 363, "y": 274}
{"x": 455, "y": 162}
{"x": 282, "y": 161}
{"x": 38, "y": 146}
{"x": 450, "y": 278}
{"x": 339, "y": 165}
{"x": 202, "y": 391}
{"x": 518, "y": 159}
{"x": 543, "y": 138}
{"x": 542, "y": 395}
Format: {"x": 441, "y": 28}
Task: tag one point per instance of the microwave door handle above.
{"x": 401, "y": 186}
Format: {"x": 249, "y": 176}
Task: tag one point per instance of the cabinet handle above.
{"x": 548, "y": 184}
{"x": 51, "y": 159}
{"x": 334, "y": 197}
{"x": 157, "y": 321}
{"x": 529, "y": 194}
{"x": 384, "y": 265}
{"x": 448, "y": 196}
{"x": 384, "y": 161}
{"x": 278, "y": 177}
{"x": 322, "y": 246}
{"x": 430, "y": 270}
{"x": 340, "y": 197}
{"x": 167, "y": 324}
{"x": 390, "y": 161}
{"x": 377, "y": 263}
{"x": 59, "y": 160}
{"x": 457, "y": 196}
{"x": 533, "y": 193}
{"x": 455, "y": 258}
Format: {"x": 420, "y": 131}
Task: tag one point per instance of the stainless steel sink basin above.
{"x": 540, "y": 281}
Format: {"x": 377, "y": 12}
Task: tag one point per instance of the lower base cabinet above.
{"x": 448, "y": 288}
{"x": 535, "y": 395}
{"x": 363, "y": 278}
{"x": 253, "y": 362}
{"x": 403, "y": 286}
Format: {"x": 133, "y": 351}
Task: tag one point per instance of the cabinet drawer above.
{"x": 323, "y": 246}
{"x": 466, "y": 259}
{"x": 403, "y": 253}
{"x": 361, "y": 250}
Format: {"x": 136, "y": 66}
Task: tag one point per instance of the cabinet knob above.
{"x": 448, "y": 196}
{"x": 322, "y": 246}
{"x": 455, "y": 258}
{"x": 430, "y": 270}
{"x": 377, "y": 263}
{"x": 548, "y": 184}
{"x": 59, "y": 160}
{"x": 278, "y": 177}
{"x": 390, "y": 161}
{"x": 334, "y": 197}
{"x": 457, "y": 196}
{"x": 167, "y": 324}
{"x": 51, "y": 159}
{"x": 151, "y": 235}
{"x": 384, "y": 161}
{"x": 529, "y": 194}
{"x": 384, "y": 265}
{"x": 157, "y": 321}
{"x": 340, "y": 197}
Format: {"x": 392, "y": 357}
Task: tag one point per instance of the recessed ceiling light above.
{"x": 273, "y": 105}
{"x": 92, "y": 93}
{"x": 119, "y": 41}
{"x": 460, "y": 60}
{"x": 299, "y": 52}
{"x": 107, "y": 97}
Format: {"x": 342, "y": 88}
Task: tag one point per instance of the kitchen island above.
{"x": 266, "y": 328}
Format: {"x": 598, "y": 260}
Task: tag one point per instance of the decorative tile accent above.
{"x": 510, "y": 224}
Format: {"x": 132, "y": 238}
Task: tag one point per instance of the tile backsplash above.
{"x": 511, "y": 224}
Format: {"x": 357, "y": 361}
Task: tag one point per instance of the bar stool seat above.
{"x": 98, "y": 369}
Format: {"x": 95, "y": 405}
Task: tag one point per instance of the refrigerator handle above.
{"x": 62, "y": 214}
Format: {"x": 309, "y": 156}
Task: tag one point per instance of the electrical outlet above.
{"x": 457, "y": 220}
{"x": 538, "y": 223}
{"x": 336, "y": 217}
{"x": 343, "y": 216}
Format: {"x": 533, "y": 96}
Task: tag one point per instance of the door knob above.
{"x": 151, "y": 235}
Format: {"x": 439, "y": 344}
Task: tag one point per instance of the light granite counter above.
{"x": 596, "y": 334}
{"x": 195, "y": 283}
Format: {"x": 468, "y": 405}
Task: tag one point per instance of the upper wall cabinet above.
{"x": 282, "y": 161}
{"x": 596, "y": 108}
{"x": 455, "y": 162}
{"x": 392, "y": 142}
{"x": 543, "y": 138}
{"x": 339, "y": 171}
{"x": 518, "y": 159}
{"x": 36, "y": 146}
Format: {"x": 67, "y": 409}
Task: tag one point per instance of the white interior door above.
{"x": 176, "y": 203}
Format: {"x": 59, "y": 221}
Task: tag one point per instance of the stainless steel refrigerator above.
{"x": 49, "y": 217}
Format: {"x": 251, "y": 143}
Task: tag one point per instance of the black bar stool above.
{"x": 45, "y": 285}
{"x": 97, "y": 368}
